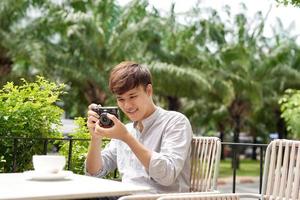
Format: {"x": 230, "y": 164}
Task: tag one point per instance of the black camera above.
{"x": 104, "y": 121}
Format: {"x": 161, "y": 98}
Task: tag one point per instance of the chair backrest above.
{"x": 191, "y": 196}
{"x": 282, "y": 170}
{"x": 205, "y": 159}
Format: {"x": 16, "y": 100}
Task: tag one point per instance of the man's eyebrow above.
{"x": 130, "y": 94}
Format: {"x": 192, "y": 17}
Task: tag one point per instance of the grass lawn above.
{"x": 247, "y": 168}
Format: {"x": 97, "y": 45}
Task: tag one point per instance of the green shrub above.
{"x": 290, "y": 108}
{"x": 80, "y": 147}
{"x": 2, "y": 161}
{"x": 28, "y": 110}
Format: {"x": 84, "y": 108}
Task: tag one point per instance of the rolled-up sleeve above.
{"x": 109, "y": 154}
{"x": 167, "y": 164}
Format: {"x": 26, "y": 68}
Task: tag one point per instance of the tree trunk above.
{"x": 222, "y": 136}
{"x": 236, "y": 139}
{"x": 94, "y": 94}
{"x": 5, "y": 66}
{"x": 174, "y": 103}
{"x": 222, "y": 146}
{"x": 236, "y": 131}
{"x": 281, "y": 128}
{"x": 238, "y": 110}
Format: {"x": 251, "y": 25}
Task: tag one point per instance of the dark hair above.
{"x": 128, "y": 75}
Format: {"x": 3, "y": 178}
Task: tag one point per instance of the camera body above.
{"x": 104, "y": 121}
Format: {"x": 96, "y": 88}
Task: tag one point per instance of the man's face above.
{"x": 136, "y": 103}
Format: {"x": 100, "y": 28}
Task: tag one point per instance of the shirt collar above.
{"x": 146, "y": 123}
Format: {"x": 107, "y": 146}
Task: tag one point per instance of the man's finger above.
{"x": 113, "y": 118}
{"x": 92, "y": 106}
{"x": 92, "y": 119}
{"x": 99, "y": 129}
{"x": 93, "y": 114}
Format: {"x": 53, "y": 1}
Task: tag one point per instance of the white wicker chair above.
{"x": 205, "y": 159}
{"x": 281, "y": 178}
{"x": 282, "y": 170}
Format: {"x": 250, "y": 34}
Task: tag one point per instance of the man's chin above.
{"x": 133, "y": 118}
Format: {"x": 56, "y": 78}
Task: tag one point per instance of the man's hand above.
{"x": 92, "y": 120}
{"x": 117, "y": 131}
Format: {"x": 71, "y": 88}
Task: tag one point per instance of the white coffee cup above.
{"x": 48, "y": 163}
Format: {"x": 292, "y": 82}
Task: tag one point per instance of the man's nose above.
{"x": 127, "y": 105}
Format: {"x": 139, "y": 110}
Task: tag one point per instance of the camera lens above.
{"x": 104, "y": 120}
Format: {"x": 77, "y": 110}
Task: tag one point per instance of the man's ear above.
{"x": 149, "y": 90}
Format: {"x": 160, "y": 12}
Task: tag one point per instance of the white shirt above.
{"x": 168, "y": 135}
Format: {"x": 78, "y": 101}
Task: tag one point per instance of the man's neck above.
{"x": 151, "y": 110}
{"x": 140, "y": 126}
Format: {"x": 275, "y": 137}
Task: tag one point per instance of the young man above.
{"x": 153, "y": 150}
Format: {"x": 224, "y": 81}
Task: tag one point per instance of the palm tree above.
{"x": 222, "y": 75}
{"x": 77, "y": 43}
{"x": 236, "y": 82}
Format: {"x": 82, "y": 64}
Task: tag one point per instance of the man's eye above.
{"x": 132, "y": 97}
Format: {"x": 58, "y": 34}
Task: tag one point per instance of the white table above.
{"x": 17, "y": 186}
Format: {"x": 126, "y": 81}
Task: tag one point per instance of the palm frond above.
{"x": 178, "y": 81}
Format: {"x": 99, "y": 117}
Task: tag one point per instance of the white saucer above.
{"x": 34, "y": 175}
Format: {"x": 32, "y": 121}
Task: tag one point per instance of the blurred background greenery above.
{"x": 226, "y": 76}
